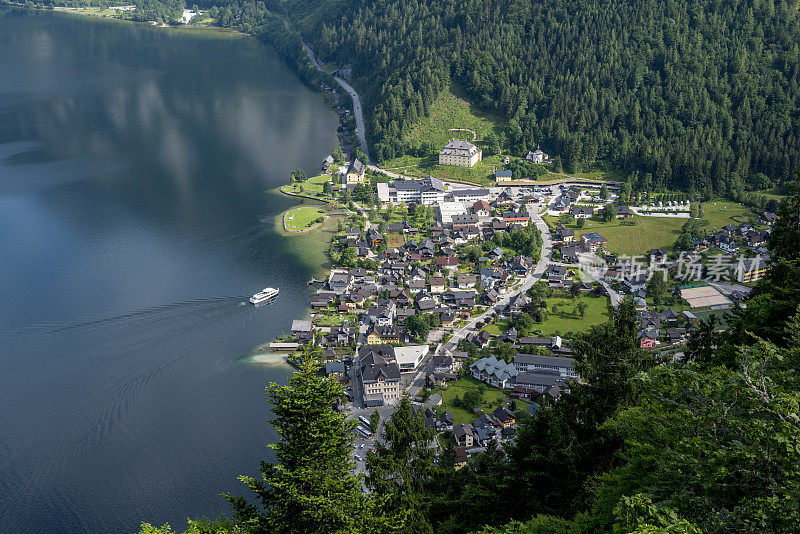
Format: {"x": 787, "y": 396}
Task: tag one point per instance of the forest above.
{"x": 699, "y": 96}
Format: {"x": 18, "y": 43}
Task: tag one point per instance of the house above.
{"x": 447, "y": 262}
{"x": 447, "y": 318}
{"x": 501, "y": 176}
{"x": 537, "y": 156}
{"x": 464, "y": 434}
{"x": 416, "y": 284}
{"x": 465, "y": 219}
{"x": 340, "y": 281}
{"x": 569, "y": 254}
{"x": 382, "y": 312}
{"x": 535, "y": 362}
{"x": 384, "y": 194}
{"x": 327, "y": 162}
{"x": 581, "y": 212}
{"x": 300, "y": 327}
{"x": 676, "y": 335}
{"x": 409, "y": 357}
{"x": 509, "y": 336}
{"x": 635, "y": 283}
{"x": 383, "y": 334}
{"x": 481, "y": 339}
{"x": 561, "y": 203}
{"x": 374, "y": 238}
{"x": 343, "y": 334}
{"x": 445, "y": 421}
{"x": 647, "y": 337}
{"x": 623, "y": 212}
{"x": 466, "y": 281}
{"x": 434, "y": 400}
{"x": 556, "y": 273}
{"x": 592, "y": 241}
{"x": 657, "y": 256}
{"x": 504, "y": 416}
{"x": 565, "y": 234}
{"x": 482, "y": 208}
{"x": 428, "y": 191}
{"x": 442, "y": 364}
{"x": 335, "y": 369}
{"x": 494, "y": 372}
{"x": 378, "y": 377}
{"x": 769, "y": 218}
{"x": 446, "y": 211}
{"x": 460, "y": 153}
{"x": 355, "y": 172}
{"x": 550, "y": 382}
{"x": 522, "y": 218}
{"x": 438, "y": 284}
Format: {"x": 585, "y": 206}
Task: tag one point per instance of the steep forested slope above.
{"x": 688, "y": 93}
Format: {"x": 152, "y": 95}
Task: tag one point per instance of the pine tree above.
{"x": 311, "y": 488}
{"x": 403, "y": 463}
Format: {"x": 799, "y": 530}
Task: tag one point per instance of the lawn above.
{"x": 482, "y": 173}
{"x": 450, "y": 117}
{"x": 311, "y": 187}
{"x": 567, "y": 319}
{"x": 491, "y": 399}
{"x": 718, "y": 213}
{"x": 497, "y": 327}
{"x": 452, "y": 110}
{"x": 302, "y": 217}
{"x": 334, "y": 319}
{"x": 648, "y": 233}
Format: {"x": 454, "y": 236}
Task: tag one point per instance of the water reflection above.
{"x": 134, "y": 223}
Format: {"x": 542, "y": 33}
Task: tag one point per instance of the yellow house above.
{"x": 460, "y": 154}
{"x": 383, "y": 334}
{"x": 355, "y": 172}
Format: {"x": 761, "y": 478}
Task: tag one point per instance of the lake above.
{"x": 136, "y": 219}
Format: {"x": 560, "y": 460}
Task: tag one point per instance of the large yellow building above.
{"x": 355, "y": 173}
{"x": 460, "y": 153}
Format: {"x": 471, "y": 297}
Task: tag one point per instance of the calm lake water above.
{"x": 134, "y": 224}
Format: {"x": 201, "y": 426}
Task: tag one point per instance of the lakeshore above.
{"x": 134, "y": 229}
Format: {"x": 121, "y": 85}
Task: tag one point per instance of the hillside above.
{"x": 694, "y": 95}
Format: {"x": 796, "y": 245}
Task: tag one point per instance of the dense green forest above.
{"x": 702, "y": 96}
{"x": 709, "y": 442}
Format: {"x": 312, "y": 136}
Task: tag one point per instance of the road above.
{"x": 531, "y": 278}
{"x": 358, "y": 112}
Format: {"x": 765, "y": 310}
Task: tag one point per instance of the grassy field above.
{"x": 311, "y": 187}
{"x": 567, "y": 319}
{"x": 482, "y": 173}
{"x": 334, "y": 320}
{"x": 452, "y": 110}
{"x": 302, "y": 217}
{"x": 648, "y": 233}
{"x": 450, "y": 117}
{"x": 491, "y": 399}
{"x": 718, "y": 213}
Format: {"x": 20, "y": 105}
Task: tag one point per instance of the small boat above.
{"x": 265, "y": 295}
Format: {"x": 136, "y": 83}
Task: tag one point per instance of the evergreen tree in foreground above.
{"x": 312, "y": 487}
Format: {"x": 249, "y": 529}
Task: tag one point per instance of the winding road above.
{"x": 358, "y": 112}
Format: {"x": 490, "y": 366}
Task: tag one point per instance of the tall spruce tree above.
{"x": 312, "y": 488}
{"x": 401, "y": 466}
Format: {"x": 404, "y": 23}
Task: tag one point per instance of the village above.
{"x": 466, "y": 298}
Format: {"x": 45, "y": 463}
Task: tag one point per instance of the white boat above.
{"x": 265, "y": 295}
